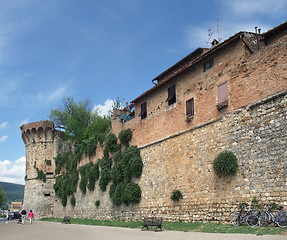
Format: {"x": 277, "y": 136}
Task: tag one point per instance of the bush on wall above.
{"x": 176, "y": 196}
{"x": 225, "y": 163}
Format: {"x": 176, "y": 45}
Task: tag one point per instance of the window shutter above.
{"x": 171, "y": 95}
{"x": 143, "y": 113}
{"x": 190, "y": 107}
{"x": 222, "y": 91}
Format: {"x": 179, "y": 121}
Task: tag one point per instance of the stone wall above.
{"x": 257, "y": 134}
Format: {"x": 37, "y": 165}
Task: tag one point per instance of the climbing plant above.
{"x": 117, "y": 166}
{"x": 225, "y": 163}
{"x": 176, "y": 196}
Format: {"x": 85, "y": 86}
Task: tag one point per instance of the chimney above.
{"x": 214, "y": 43}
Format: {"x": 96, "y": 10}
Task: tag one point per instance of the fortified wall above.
{"x": 178, "y": 154}
{"x": 257, "y": 134}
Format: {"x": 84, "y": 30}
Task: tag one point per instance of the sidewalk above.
{"x": 59, "y": 231}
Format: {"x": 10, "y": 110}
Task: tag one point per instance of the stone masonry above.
{"x": 178, "y": 154}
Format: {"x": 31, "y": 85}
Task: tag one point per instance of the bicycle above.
{"x": 267, "y": 217}
{"x": 245, "y": 216}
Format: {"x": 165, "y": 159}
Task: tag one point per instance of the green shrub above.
{"x": 97, "y": 203}
{"x": 176, "y": 195}
{"x": 125, "y": 137}
{"x": 131, "y": 194}
{"x": 225, "y": 163}
{"x": 41, "y": 175}
{"x": 112, "y": 143}
{"x": 73, "y": 201}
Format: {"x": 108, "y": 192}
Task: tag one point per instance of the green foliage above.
{"x": 111, "y": 143}
{"x": 12, "y": 191}
{"x": 2, "y": 197}
{"x": 126, "y": 193}
{"x": 176, "y": 195}
{"x": 41, "y": 175}
{"x": 121, "y": 169}
{"x": 73, "y": 201}
{"x": 132, "y": 163}
{"x": 48, "y": 162}
{"x": 105, "y": 177}
{"x": 97, "y": 203}
{"x": 78, "y": 121}
{"x": 125, "y": 137}
{"x": 225, "y": 163}
{"x": 131, "y": 194}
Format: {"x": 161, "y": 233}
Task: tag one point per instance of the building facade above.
{"x": 230, "y": 97}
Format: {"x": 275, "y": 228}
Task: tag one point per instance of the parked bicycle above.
{"x": 267, "y": 217}
{"x": 245, "y": 215}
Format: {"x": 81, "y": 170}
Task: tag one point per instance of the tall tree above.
{"x": 78, "y": 121}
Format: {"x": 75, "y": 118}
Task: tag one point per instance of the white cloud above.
{"x": 57, "y": 94}
{"x": 104, "y": 110}
{"x": 24, "y": 122}
{"x": 13, "y": 171}
{"x": 3, "y": 125}
{"x": 3, "y": 138}
{"x": 255, "y": 7}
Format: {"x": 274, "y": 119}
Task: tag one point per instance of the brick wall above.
{"x": 250, "y": 78}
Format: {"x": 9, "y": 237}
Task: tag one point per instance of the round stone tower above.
{"x": 40, "y": 142}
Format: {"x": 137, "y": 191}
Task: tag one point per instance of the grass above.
{"x": 186, "y": 227}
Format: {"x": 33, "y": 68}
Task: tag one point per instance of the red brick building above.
{"x": 208, "y": 83}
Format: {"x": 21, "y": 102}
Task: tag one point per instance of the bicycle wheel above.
{"x": 264, "y": 220}
{"x": 235, "y": 219}
{"x": 252, "y": 220}
{"x": 281, "y": 219}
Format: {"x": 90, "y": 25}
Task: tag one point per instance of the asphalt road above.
{"x": 58, "y": 231}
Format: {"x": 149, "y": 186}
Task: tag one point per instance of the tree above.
{"x": 2, "y": 197}
{"x": 78, "y": 121}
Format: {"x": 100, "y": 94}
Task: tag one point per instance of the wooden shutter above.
{"x": 222, "y": 91}
{"x": 190, "y": 107}
{"x": 143, "y": 113}
{"x": 171, "y": 95}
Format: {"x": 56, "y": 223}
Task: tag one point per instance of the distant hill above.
{"x": 14, "y": 192}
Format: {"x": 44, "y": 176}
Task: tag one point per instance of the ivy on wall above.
{"x": 119, "y": 165}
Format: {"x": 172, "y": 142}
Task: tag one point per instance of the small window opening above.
{"x": 208, "y": 65}
{"x": 47, "y": 194}
{"x": 171, "y": 99}
{"x": 143, "y": 113}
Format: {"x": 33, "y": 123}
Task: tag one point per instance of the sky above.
{"x": 102, "y": 50}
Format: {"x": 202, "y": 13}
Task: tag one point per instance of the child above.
{"x": 31, "y": 216}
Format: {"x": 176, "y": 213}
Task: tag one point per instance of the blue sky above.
{"x": 101, "y": 50}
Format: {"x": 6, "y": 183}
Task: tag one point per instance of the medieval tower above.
{"x": 40, "y": 142}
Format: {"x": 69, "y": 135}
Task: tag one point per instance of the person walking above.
{"x": 23, "y": 216}
{"x": 31, "y": 216}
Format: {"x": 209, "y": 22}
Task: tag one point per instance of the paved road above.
{"x": 58, "y": 231}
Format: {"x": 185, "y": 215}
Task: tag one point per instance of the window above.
{"x": 171, "y": 99}
{"x": 222, "y": 91}
{"x": 208, "y": 65}
{"x": 190, "y": 107}
{"x": 143, "y": 113}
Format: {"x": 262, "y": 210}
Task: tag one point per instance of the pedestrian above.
{"x": 31, "y": 216}
{"x": 23, "y": 216}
